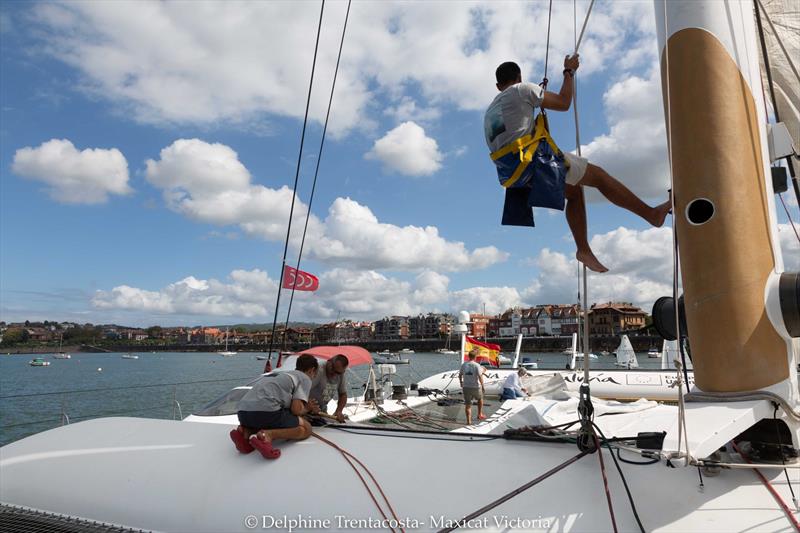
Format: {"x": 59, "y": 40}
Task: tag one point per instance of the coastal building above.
{"x": 479, "y": 326}
{"x": 40, "y": 334}
{"x": 363, "y": 331}
{"x": 203, "y": 335}
{"x": 393, "y": 327}
{"x": 565, "y": 319}
{"x": 510, "y": 323}
{"x": 429, "y": 326}
{"x": 613, "y": 318}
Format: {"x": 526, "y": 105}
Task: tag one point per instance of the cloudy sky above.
{"x": 148, "y": 152}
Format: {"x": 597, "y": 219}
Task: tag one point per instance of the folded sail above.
{"x": 785, "y": 17}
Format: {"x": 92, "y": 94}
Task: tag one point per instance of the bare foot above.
{"x": 660, "y": 212}
{"x": 591, "y": 262}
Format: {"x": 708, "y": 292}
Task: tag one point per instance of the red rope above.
{"x": 771, "y": 489}
{"x": 605, "y": 481}
{"x": 348, "y": 456}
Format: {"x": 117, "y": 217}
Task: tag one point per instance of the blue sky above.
{"x": 145, "y": 149}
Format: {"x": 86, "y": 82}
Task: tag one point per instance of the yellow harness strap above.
{"x": 526, "y": 146}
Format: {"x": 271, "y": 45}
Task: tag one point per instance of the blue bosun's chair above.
{"x": 533, "y": 173}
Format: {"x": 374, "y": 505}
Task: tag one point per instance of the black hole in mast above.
{"x": 699, "y": 211}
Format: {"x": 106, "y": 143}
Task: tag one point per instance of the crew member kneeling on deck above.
{"x": 512, "y": 387}
{"x": 272, "y": 409}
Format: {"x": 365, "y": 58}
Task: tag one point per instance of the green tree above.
{"x": 14, "y": 336}
{"x": 155, "y": 332}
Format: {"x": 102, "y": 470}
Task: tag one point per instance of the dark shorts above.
{"x": 282, "y": 419}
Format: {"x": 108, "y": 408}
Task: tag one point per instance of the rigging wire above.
{"x": 784, "y": 507}
{"x": 316, "y": 170}
{"x": 622, "y": 477}
{"x": 502, "y": 499}
{"x": 547, "y": 46}
{"x": 680, "y": 366}
{"x": 780, "y": 449}
{"x": 105, "y": 389}
{"x": 585, "y": 441}
{"x": 789, "y": 216}
{"x": 605, "y": 481}
{"x": 294, "y": 189}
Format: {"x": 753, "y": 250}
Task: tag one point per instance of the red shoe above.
{"x": 265, "y": 447}
{"x": 481, "y": 417}
{"x": 241, "y": 443}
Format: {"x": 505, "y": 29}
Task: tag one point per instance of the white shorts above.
{"x": 577, "y": 168}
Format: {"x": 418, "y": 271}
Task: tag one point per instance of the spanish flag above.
{"x": 487, "y": 352}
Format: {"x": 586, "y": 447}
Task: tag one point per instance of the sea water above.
{"x": 167, "y": 384}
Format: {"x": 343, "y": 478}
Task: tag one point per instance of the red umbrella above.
{"x": 355, "y": 354}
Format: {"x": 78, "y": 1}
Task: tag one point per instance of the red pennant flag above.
{"x": 299, "y": 280}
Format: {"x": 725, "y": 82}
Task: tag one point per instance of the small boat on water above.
{"x": 261, "y": 357}
{"x": 406, "y": 351}
{"x": 226, "y": 352}
{"x": 61, "y": 354}
{"x": 39, "y": 361}
{"x": 653, "y": 353}
{"x": 129, "y": 356}
{"x": 445, "y": 351}
{"x": 392, "y": 359}
{"x": 626, "y": 357}
{"x": 386, "y": 352}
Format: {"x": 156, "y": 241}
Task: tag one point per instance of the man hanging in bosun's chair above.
{"x": 511, "y": 131}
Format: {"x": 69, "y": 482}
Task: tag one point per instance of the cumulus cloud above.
{"x": 640, "y": 264}
{"x": 354, "y": 236}
{"x": 407, "y": 150}
{"x": 635, "y": 148}
{"x": 178, "y": 62}
{"x": 408, "y": 110}
{"x": 245, "y": 295}
{"x": 493, "y": 299}
{"x": 207, "y": 183}
{"x": 790, "y": 247}
{"x": 251, "y": 294}
{"x": 74, "y": 176}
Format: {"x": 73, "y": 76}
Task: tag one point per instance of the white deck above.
{"x": 177, "y": 476}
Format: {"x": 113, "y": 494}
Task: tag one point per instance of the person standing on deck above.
{"x": 510, "y": 117}
{"x": 331, "y": 380}
{"x": 471, "y": 378}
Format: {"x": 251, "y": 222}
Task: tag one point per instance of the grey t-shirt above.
{"x": 324, "y": 388}
{"x": 471, "y": 370}
{"x": 510, "y": 115}
{"x": 274, "y": 392}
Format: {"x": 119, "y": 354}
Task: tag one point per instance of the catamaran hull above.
{"x": 609, "y": 384}
{"x": 176, "y": 476}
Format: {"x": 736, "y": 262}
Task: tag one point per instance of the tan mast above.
{"x": 719, "y": 169}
